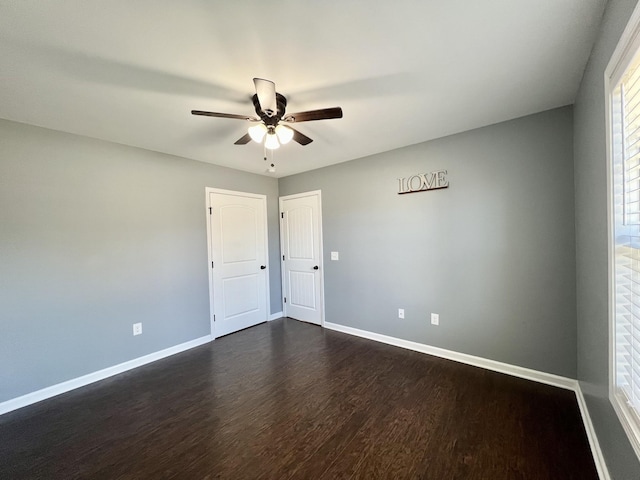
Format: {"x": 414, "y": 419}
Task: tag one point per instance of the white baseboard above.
{"x": 542, "y": 377}
{"x": 598, "y": 457}
{"x": 514, "y": 370}
{"x": 52, "y": 391}
{"x": 534, "y": 375}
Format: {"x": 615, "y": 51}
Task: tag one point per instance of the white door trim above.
{"x": 208, "y": 191}
{"x": 317, "y": 193}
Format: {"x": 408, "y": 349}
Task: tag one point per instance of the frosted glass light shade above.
{"x": 284, "y": 133}
{"x": 271, "y": 142}
{"x": 257, "y": 132}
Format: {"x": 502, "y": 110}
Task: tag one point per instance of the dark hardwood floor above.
{"x": 290, "y": 400}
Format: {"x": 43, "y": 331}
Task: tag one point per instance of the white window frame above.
{"x": 626, "y": 50}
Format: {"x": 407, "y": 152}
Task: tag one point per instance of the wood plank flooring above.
{"x": 288, "y": 400}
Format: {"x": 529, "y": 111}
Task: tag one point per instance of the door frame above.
{"x": 208, "y": 214}
{"x": 317, "y": 193}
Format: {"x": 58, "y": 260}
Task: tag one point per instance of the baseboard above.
{"x": 52, "y": 391}
{"x": 514, "y": 370}
{"x": 275, "y": 316}
{"x": 596, "y": 451}
{"x": 542, "y": 377}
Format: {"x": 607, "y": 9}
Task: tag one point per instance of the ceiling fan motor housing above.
{"x": 273, "y": 120}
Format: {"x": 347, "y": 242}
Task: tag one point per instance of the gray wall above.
{"x": 494, "y": 254}
{"x": 96, "y": 236}
{"x": 591, "y": 245}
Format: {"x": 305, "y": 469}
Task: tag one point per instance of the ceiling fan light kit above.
{"x": 257, "y": 132}
{"x": 284, "y": 133}
{"x": 273, "y": 138}
{"x": 271, "y": 141}
{"x": 270, "y": 107}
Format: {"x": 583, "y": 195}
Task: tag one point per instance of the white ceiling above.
{"x": 403, "y": 72}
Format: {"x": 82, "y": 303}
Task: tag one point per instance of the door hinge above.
{"x": 210, "y": 211}
{"x": 211, "y": 264}
{"x": 285, "y": 299}
{"x": 283, "y": 258}
{"x": 281, "y": 214}
{"x": 214, "y": 318}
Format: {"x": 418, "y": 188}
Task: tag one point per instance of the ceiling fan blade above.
{"x": 224, "y": 115}
{"x": 301, "y": 138}
{"x": 266, "y": 91}
{"x": 246, "y": 138}
{"x": 322, "y": 114}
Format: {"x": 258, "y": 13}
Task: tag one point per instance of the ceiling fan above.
{"x": 272, "y": 123}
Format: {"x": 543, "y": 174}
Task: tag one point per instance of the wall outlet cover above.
{"x": 401, "y": 313}
{"x": 137, "y": 328}
{"x": 335, "y": 256}
{"x": 435, "y": 319}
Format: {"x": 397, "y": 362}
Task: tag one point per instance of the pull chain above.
{"x": 272, "y": 166}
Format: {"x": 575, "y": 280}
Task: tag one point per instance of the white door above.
{"x": 238, "y": 260}
{"x": 301, "y": 245}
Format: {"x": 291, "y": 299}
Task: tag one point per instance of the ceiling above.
{"x": 403, "y": 72}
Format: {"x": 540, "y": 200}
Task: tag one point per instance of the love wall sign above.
{"x": 423, "y": 181}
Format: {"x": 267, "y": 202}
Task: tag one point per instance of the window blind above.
{"x": 625, "y": 123}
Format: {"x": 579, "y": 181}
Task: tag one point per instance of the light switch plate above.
{"x": 335, "y": 256}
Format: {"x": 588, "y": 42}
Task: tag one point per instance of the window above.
{"x": 623, "y": 96}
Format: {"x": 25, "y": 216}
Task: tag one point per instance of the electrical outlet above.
{"x": 435, "y": 319}
{"x": 401, "y": 313}
{"x": 335, "y": 256}
{"x": 137, "y": 328}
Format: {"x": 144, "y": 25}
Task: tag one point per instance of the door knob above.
{"x": 316, "y": 267}
{"x": 262, "y": 267}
